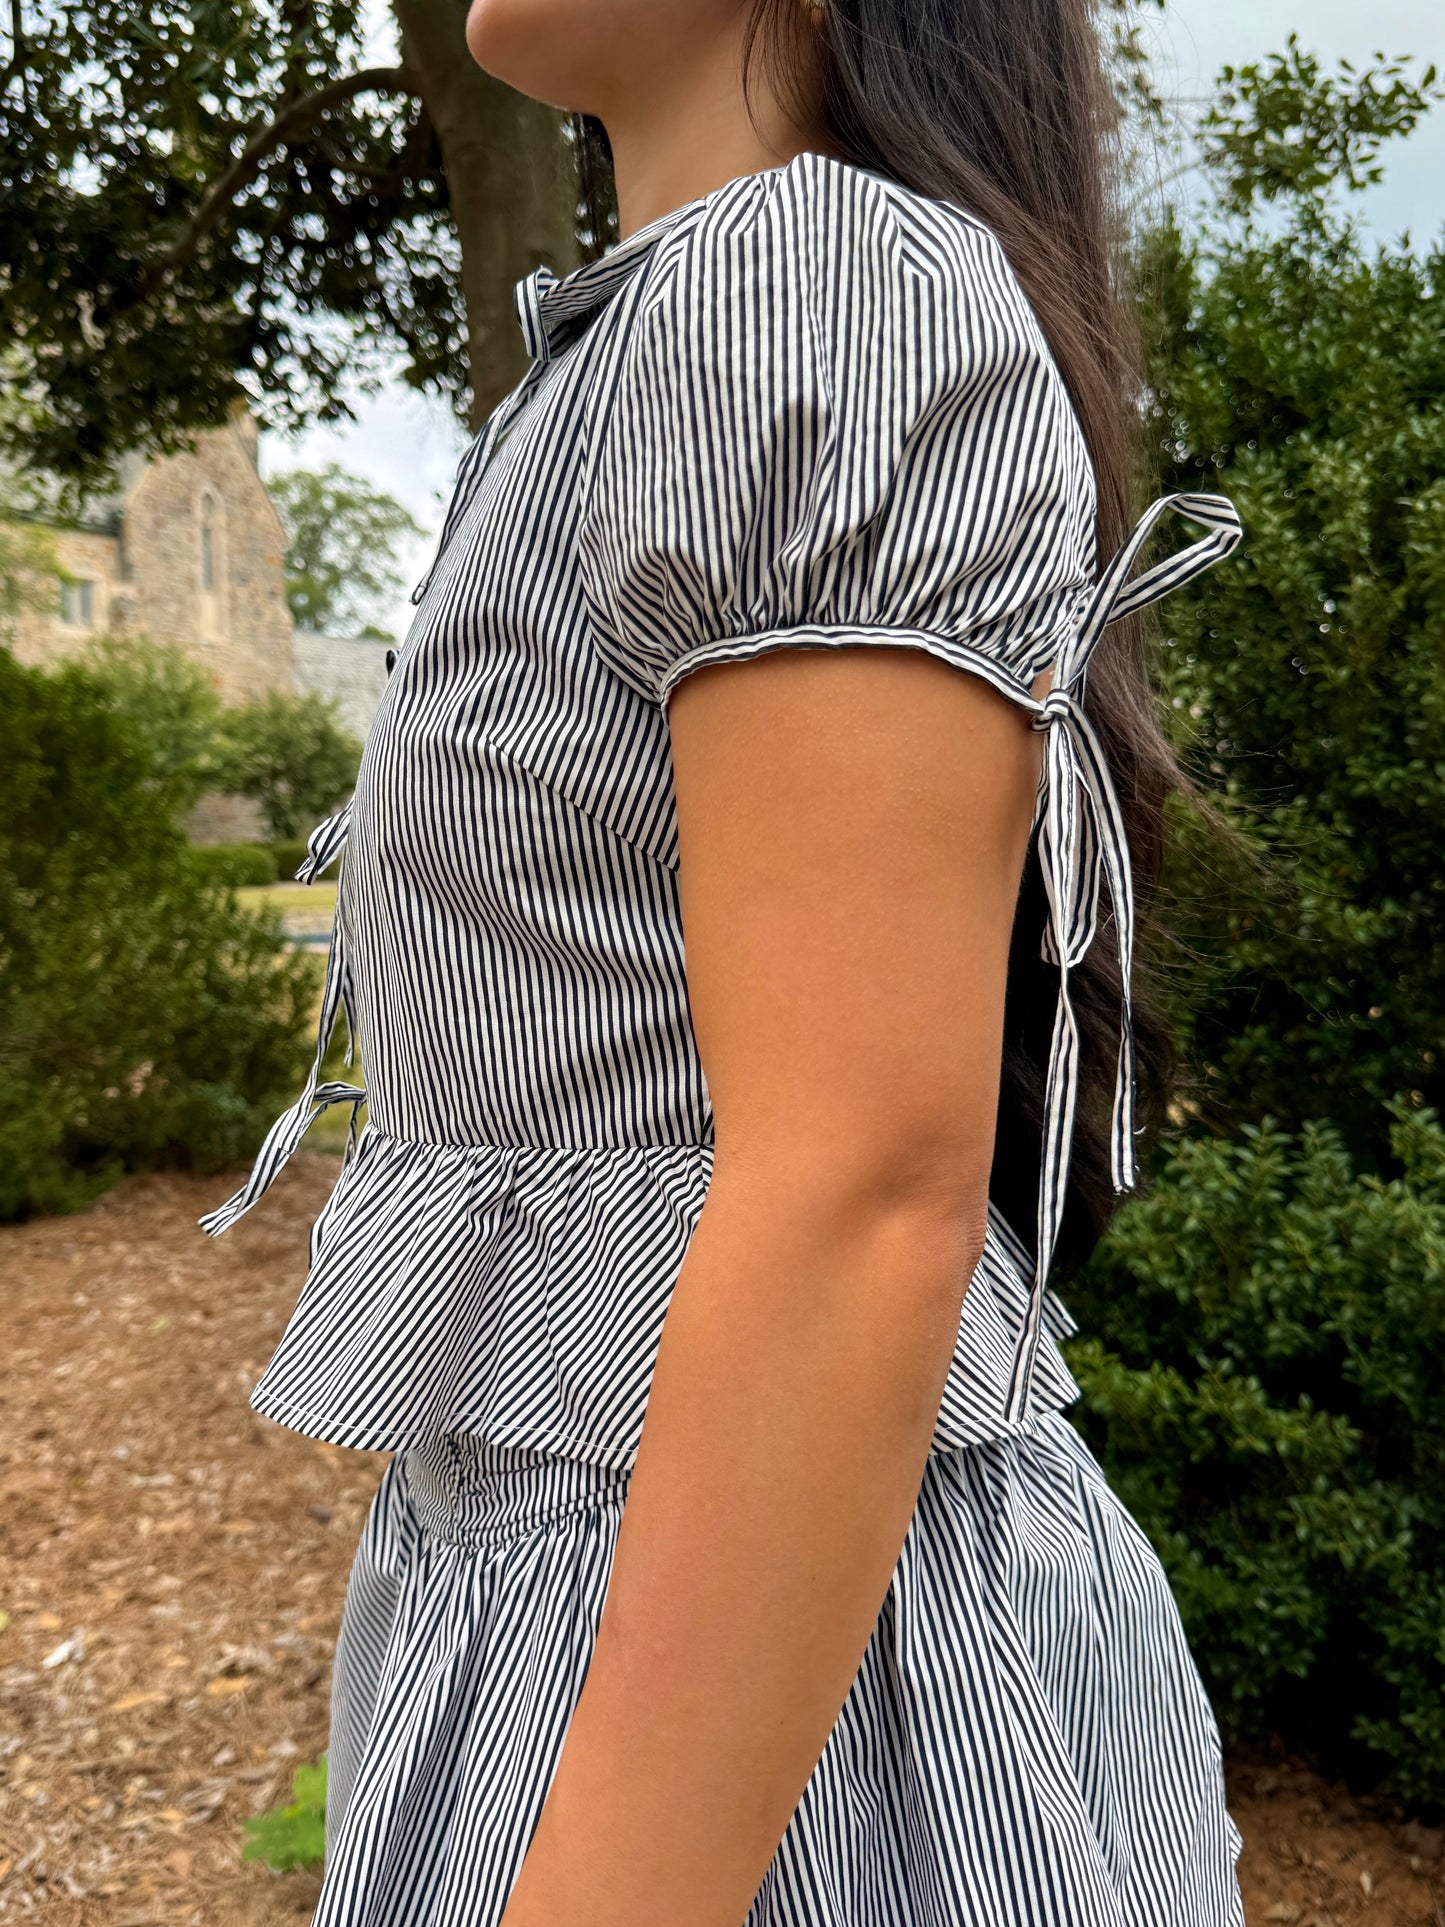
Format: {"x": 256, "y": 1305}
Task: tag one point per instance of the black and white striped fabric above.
{"x": 1026, "y": 1743}
{"x": 810, "y": 410}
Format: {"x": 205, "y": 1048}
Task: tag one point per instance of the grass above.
{"x": 294, "y": 1835}
{"x": 305, "y": 907}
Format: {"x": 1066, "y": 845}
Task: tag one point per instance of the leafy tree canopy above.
{"x": 200, "y": 201}
{"x": 1284, "y": 127}
{"x": 341, "y": 547}
{"x": 1305, "y": 376}
{"x": 154, "y": 132}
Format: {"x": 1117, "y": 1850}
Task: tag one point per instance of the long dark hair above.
{"x": 1003, "y": 108}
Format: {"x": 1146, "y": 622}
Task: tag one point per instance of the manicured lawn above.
{"x": 307, "y": 908}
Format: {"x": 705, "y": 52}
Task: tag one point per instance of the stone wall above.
{"x": 197, "y": 561}
{"x": 236, "y": 624}
{"x": 190, "y": 552}
{"x": 42, "y": 634}
{"x": 227, "y": 819}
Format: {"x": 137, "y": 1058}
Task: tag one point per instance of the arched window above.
{"x": 210, "y": 545}
{"x": 211, "y": 564}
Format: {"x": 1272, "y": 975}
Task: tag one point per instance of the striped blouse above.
{"x": 812, "y": 409}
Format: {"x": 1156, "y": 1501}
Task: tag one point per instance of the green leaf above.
{"x": 294, "y": 1835}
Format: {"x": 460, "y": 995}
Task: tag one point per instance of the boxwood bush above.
{"x": 1263, "y": 1362}
{"x": 145, "y": 1019}
{"x": 288, "y": 858}
{"x": 235, "y": 866}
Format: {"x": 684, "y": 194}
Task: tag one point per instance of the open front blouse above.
{"x": 810, "y": 410}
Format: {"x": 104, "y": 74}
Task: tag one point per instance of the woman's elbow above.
{"x": 917, "y": 1197}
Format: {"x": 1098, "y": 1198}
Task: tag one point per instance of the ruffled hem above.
{"x": 517, "y": 1293}
{"x": 1027, "y": 1738}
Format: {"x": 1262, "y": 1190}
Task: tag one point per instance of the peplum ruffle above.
{"x": 517, "y": 1293}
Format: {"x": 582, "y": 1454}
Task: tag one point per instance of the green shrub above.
{"x": 145, "y": 1019}
{"x": 294, "y": 1835}
{"x": 169, "y": 701}
{"x": 1301, "y": 370}
{"x": 1264, "y": 1380}
{"x": 234, "y": 866}
{"x": 1264, "y": 1365}
{"x": 288, "y": 858}
{"x": 291, "y": 756}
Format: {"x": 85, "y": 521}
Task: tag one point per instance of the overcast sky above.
{"x": 410, "y": 446}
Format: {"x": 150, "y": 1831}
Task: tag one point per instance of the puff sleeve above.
{"x": 834, "y": 421}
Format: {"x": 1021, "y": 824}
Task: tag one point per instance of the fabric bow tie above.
{"x": 1082, "y": 844}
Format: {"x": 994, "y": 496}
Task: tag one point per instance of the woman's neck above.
{"x": 694, "y": 133}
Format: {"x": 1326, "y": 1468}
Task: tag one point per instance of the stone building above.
{"x": 349, "y": 670}
{"x": 189, "y": 551}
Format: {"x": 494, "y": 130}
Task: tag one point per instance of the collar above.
{"x": 553, "y": 311}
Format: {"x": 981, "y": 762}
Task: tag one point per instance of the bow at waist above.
{"x": 323, "y": 847}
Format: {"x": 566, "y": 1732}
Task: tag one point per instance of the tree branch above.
{"x": 16, "y": 63}
{"x": 408, "y": 165}
{"x": 293, "y": 120}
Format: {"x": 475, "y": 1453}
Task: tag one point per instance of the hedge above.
{"x": 235, "y": 866}
{"x": 146, "y": 1019}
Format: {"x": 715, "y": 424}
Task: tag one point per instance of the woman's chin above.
{"x": 537, "y": 46}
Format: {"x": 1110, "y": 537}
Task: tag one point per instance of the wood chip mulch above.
{"x": 171, "y": 1576}
{"x": 173, "y": 1564}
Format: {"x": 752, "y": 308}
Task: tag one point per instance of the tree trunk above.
{"x": 512, "y": 184}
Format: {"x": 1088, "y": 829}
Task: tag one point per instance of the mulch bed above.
{"x": 172, "y": 1568}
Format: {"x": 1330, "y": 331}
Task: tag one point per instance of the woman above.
{"x": 763, "y": 610}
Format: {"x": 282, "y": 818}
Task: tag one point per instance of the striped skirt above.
{"x": 1027, "y": 1742}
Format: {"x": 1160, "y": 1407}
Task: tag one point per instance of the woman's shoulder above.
{"x": 837, "y": 417}
{"x": 819, "y": 221}
{"x": 822, "y": 263}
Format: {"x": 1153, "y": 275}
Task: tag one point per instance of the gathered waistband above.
{"x": 473, "y": 1492}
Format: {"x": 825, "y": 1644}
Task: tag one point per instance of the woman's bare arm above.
{"x": 853, "y": 826}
